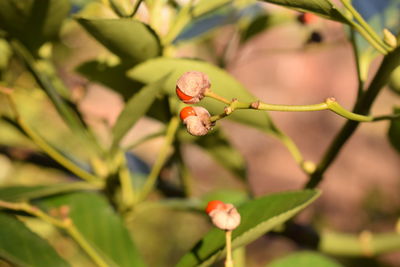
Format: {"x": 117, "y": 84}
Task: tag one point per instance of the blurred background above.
{"x": 284, "y": 62}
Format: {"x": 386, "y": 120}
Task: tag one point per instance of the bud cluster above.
{"x": 191, "y": 88}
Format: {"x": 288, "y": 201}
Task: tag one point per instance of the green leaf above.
{"x": 25, "y": 193}
{"x": 258, "y": 217}
{"x": 33, "y": 22}
{"x": 135, "y": 108}
{"x": 394, "y": 83}
{"x": 129, "y": 39}
{"x": 205, "y": 6}
{"x": 394, "y": 131}
{"x": 218, "y": 146}
{"x": 256, "y": 26}
{"x": 324, "y": 8}
{"x": 235, "y": 197}
{"x": 101, "y": 226}
{"x": 113, "y": 77}
{"x": 304, "y": 259}
{"x": 20, "y": 246}
{"x": 222, "y": 83}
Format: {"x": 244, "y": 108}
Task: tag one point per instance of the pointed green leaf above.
{"x": 304, "y": 259}
{"x": 33, "y": 22}
{"x": 324, "y": 8}
{"x": 135, "y": 108}
{"x": 222, "y": 83}
{"x": 394, "y": 131}
{"x": 101, "y": 226}
{"x": 20, "y": 246}
{"x": 258, "y": 217}
{"x": 131, "y": 40}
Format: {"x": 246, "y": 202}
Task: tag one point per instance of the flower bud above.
{"x": 223, "y": 215}
{"x": 196, "y": 119}
{"x": 191, "y": 86}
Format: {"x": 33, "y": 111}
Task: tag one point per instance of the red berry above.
{"x": 182, "y": 96}
{"x": 213, "y": 205}
{"x": 186, "y": 112}
{"x": 307, "y": 18}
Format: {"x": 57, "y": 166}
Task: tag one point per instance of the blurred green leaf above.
{"x": 304, "y": 259}
{"x": 33, "y": 22}
{"x": 218, "y": 146}
{"x": 394, "y": 83}
{"x": 135, "y": 108}
{"x": 394, "y": 131}
{"x": 258, "y": 217}
{"x": 100, "y": 225}
{"x": 222, "y": 83}
{"x": 20, "y": 246}
{"x": 25, "y": 193}
{"x": 235, "y": 197}
{"x": 256, "y": 26}
{"x": 323, "y": 8}
{"x": 113, "y": 77}
{"x": 131, "y": 40}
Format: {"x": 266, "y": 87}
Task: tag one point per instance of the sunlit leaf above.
{"x": 100, "y": 225}
{"x": 20, "y": 246}
{"x": 304, "y": 259}
{"x": 258, "y": 217}
{"x": 222, "y": 83}
{"x": 131, "y": 40}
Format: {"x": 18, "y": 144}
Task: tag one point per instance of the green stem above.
{"x": 329, "y": 104}
{"x": 128, "y": 192}
{"x": 161, "y": 159}
{"x": 228, "y": 238}
{"x": 365, "y": 25}
{"x": 364, "y": 244}
{"x": 65, "y": 223}
{"x": 48, "y": 149}
{"x": 182, "y": 19}
{"x": 363, "y": 106}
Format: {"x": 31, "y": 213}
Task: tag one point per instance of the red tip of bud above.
{"x": 213, "y": 205}
{"x": 192, "y": 86}
{"x": 186, "y": 112}
{"x": 307, "y": 18}
{"x": 182, "y": 96}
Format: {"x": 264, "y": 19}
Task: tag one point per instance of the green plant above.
{"x": 91, "y": 197}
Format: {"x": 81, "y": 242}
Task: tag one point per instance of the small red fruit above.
{"x": 214, "y": 205}
{"x": 192, "y": 86}
{"x": 307, "y": 18}
{"x": 186, "y": 112}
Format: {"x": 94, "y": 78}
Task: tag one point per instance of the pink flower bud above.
{"x": 224, "y": 216}
{"x": 191, "y": 86}
{"x": 197, "y": 120}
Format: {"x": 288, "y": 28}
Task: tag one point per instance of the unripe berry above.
{"x": 223, "y": 215}
{"x": 191, "y": 86}
{"x": 197, "y": 120}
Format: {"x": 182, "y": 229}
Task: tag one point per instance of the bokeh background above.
{"x": 279, "y": 65}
